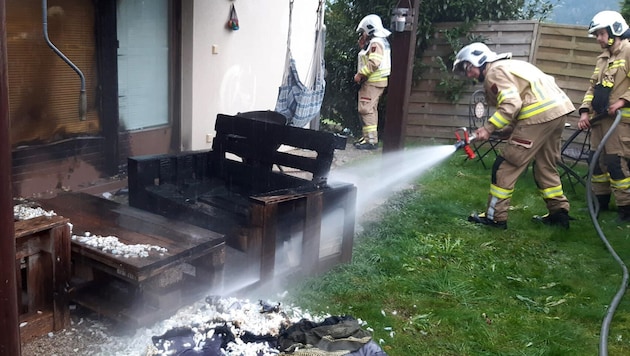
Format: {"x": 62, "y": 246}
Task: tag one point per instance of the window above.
{"x": 143, "y": 67}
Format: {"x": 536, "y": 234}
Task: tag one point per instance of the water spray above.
{"x": 464, "y": 140}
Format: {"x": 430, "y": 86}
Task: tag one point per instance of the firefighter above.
{"x": 530, "y": 102}
{"x": 608, "y": 92}
{"x": 373, "y": 69}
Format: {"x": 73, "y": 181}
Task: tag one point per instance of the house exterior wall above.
{"x": 246, "y": 68}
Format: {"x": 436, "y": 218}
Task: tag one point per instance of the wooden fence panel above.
{"x": 563, "y": 51}
{"x": 431, "y": 114}
{"x": 567, "y": 53}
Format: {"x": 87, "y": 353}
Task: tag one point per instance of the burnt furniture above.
{"x": 43, "y": 276}
{"x": 137, "y": 290}
{"x": 257, "y": 194}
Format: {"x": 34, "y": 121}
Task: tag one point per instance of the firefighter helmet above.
{"x": 372, "y": 26}
{"x": 612, "y": 20}
{"x": 476, "y": 54}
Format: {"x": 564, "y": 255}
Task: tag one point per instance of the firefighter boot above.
{"x": 363, "y": 144}
{"x": 624, "y": 213}
{"x": 604, "y": 201}
{"x": 559, "y": 218}
{"x": 366, "y": 146}
{"x": 481, "y": 218}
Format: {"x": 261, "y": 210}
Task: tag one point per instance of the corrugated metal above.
{"x": 43, "y": 89}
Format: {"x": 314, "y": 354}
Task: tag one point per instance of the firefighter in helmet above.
{"x": 608, "y": 92}
{"x": 373, "y": 69}
{"x": 530, "y": 102}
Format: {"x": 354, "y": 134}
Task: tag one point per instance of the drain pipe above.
{"x": 593, "y": 210}
{"x": 82, "y": 96}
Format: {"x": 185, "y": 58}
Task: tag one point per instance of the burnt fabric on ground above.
{"x": 335, "y": 336}
{"x": 369, "y": 349}
{"x": 335, "y": 333}
{"x": 184, "y": 341}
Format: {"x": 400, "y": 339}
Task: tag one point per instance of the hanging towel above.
{"x": 298, "y": 102}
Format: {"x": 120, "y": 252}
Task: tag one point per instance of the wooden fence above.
{"x": 563, "y": 51}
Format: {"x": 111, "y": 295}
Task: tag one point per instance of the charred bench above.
{"x": 244, "y": 188}
{"x": 137, "y": 290}
{"x": 43, "y": 276}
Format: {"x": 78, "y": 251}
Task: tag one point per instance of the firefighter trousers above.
{"x": 540, "y": 143}
{"x": 612, "y": 173}
{"x": 369, "y": 96}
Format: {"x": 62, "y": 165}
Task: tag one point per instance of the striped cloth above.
{"x": 299, "y": 103}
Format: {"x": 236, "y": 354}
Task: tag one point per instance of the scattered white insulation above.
{"x": 109, "y": 244}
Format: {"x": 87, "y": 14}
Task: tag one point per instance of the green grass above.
{"x": 448, "y": 287}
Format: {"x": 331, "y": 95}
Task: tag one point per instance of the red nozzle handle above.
{"x": 469, "y": 152}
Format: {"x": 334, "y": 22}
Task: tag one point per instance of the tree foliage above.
{"x": 342, "y": 17}
{"x": 625, "y": 9}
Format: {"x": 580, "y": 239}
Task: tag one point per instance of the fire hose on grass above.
{"x": 593, "y": 210}
{"x": 463, "y": 141}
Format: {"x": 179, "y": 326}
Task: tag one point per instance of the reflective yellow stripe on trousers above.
{"x": 622, "y": 184}
{"x": 500, "y": 193}
{"x": 600, "y": 178}
{"x": 552, "y": 192}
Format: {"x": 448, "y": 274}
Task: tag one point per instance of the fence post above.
{"x": 9, "y": 328}
{"x": 403, "y": 46}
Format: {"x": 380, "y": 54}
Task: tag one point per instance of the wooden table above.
{"x": 138, "y": 290}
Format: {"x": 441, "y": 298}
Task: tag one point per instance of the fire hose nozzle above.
{"x": 464, "y": 140}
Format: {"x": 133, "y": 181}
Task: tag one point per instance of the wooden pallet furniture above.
{"x": 245, "y": 188}
{"x": 138, "y": 290}
{"x": 43, "y": 275}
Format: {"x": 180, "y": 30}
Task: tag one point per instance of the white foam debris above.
{"x": 26, "y": 212}
{"x": 111, "y": 244}
{"x": 239, "y": 315}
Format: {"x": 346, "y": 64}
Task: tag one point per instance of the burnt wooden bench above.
{"x": 43, "y": 276}
{"x": 137, "y": 290}
{"x": 254, "y": 193}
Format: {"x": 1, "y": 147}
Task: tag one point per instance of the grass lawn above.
{"x": 427, "y": 282}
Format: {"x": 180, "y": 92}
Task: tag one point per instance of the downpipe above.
{"x": 593, "y": 210}
{"x": 82, "y": 95}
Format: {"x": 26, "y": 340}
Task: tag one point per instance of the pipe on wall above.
{"x": 82, "y": 95}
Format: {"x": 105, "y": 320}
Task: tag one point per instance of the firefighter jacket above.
{"x": 611, "y": 71}
{"x": 375, "y": 62}
{"x": 522, "y": 95}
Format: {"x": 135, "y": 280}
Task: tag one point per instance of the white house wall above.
{"x": 227, "y": 71}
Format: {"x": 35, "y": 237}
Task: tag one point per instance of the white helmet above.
{"x": 477, "y": 54}
{"x": 612, "y": 20}
{"x": 372, "y": 26}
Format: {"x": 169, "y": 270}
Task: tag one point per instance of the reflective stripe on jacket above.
{"x": 375, "y": 62}
{"x": 522, "y": 94}
{"x": 611, "y": 71}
